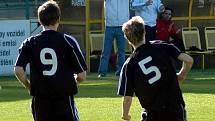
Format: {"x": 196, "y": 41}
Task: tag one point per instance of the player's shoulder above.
{"x": 70, "y": 40}
{"x": 160, "y": 43}
{"x": 69, "y": 37}
{"x": 167, "y": 47}
{"x": 28, "y": 40}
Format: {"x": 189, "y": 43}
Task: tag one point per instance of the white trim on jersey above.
{"x": 34, "y": 106}
{"x": 78, "y": 61}
{"x": 121, "y": 74}
{"x": 125, "y": 78}
{"x": 184, "y": 115}
{"x": 72, "y": 38}
{"x": 169, "y": 44}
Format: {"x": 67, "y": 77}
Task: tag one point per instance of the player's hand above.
{"x": 126, "y": 118}
{"x": 181, "y": 77}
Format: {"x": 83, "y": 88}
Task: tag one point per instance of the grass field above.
{"x": 97, "y": 99}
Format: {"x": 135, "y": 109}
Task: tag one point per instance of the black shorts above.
{"x": 54, "y": 109}
{"x": 180, "y": 115}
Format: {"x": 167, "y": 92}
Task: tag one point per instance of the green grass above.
{"x": 97, "y": 99}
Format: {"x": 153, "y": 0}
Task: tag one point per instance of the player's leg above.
{"x": 64, "y": 109}
{"x": 150, "y": 116}
{"x": 159, "y": 116}
{"x": 41, "y": 109}
{"x": 143, "y": 116}
{"x": 182, "y": 115}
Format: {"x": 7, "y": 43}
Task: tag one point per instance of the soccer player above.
{"x": 150, "y": 75}
{"x": 54, "y": 59}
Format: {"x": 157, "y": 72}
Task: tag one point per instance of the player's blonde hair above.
{"x": 134, "y": 30}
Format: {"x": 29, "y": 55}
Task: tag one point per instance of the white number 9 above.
{"x": 150, "y": 69}
{"x": 52, "y": 61}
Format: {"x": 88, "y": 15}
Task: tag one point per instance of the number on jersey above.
{"x": 52, "y": 61}
{"x": 150, "y": 70}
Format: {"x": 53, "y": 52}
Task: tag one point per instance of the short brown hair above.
{"x": 134, "y": 29}
{"x": 49, "y": 13}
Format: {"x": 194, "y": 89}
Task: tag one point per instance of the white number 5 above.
{"x": 52, "y": 61}
{"x": 150, "y": 70}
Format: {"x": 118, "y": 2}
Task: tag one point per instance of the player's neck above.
{"x": 139, "y": 44}
{"x": 50, "y": 27}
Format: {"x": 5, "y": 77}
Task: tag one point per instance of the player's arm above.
{"x": 187, "y": 60}
{"x": 21, "y": 76}
{"x": 21, "y": 62}
{"x": 126, "y": 89}
{"x": 79, "y": 64}
{"x": 186, "y": 66}
{"x": 126, "y": 105}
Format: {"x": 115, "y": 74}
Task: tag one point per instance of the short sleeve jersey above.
{"x": 54, "y": 58}
{"x": 150, "y": 75}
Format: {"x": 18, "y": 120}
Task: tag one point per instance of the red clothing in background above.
{"x": 165, "y": 29}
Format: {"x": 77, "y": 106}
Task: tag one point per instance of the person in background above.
{"x": 166, "y": 29}
{"x": 116, "y": 13}
{"x": 149, "y": 74}
{"x": 54, "y": 58}
{"x": 148, "y": 10}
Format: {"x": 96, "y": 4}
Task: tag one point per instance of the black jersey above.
{"x": 150, "y": 75}
{"x": 54, "y": 58}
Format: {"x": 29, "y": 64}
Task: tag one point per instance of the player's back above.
{"x": 52, "y": 65}
{"x": 155, "y": 77}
